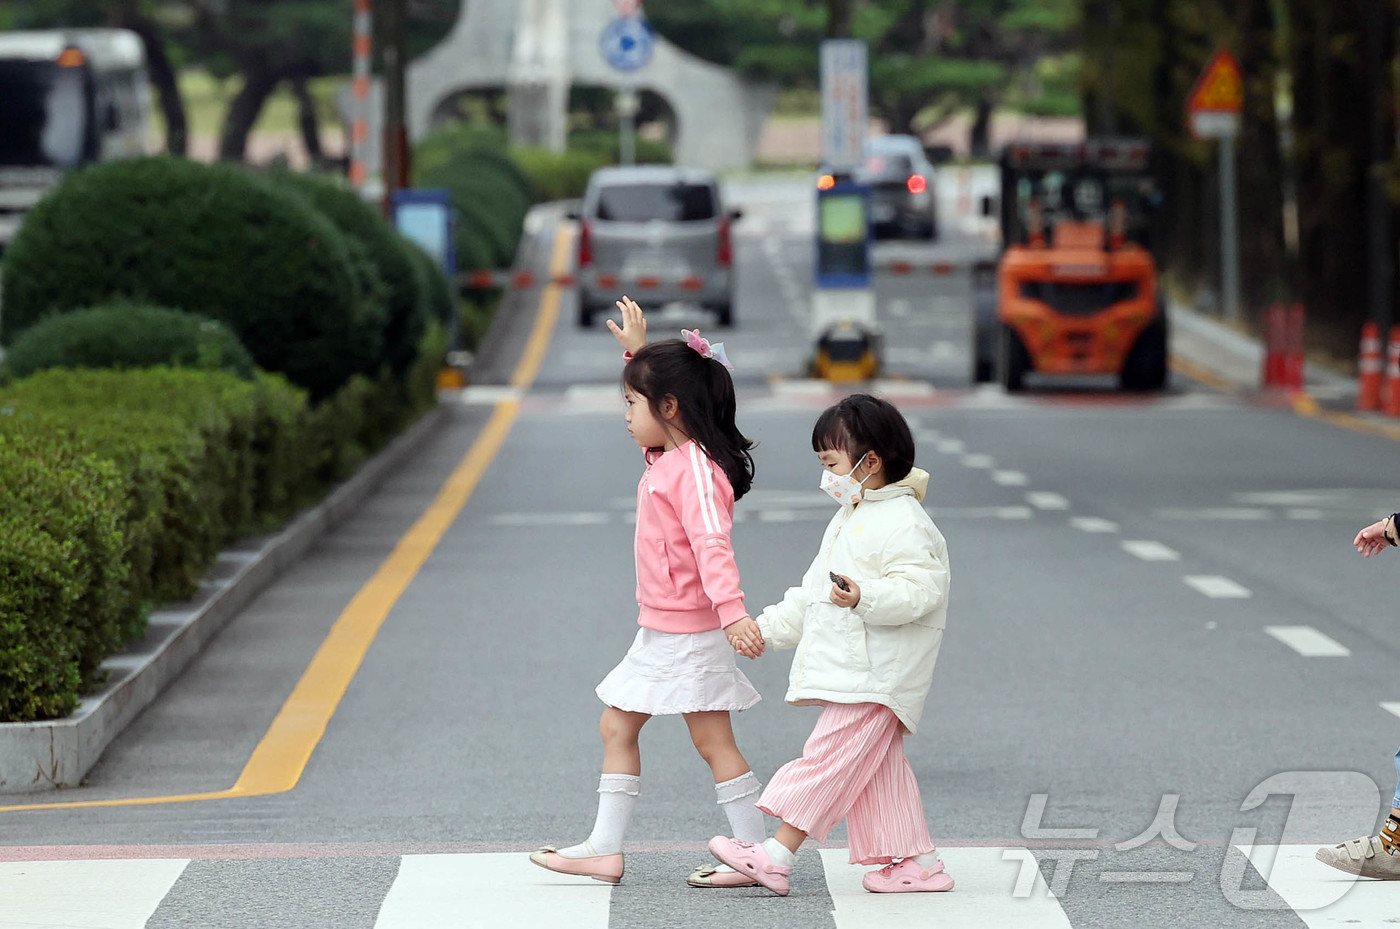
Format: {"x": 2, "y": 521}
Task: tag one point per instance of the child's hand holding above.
{"x": 844, "y": 592}
{"x": 746, "y": 637}
{"x": 632, "y": 334}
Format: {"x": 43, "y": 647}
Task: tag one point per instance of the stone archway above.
{"x": 539, "y": 48}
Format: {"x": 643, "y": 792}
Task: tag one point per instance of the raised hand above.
{"x": 1372, "y": 540}
{"x": 632, "y": 334}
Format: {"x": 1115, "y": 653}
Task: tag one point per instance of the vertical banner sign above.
{"x": 359, "y": 125}
{"x": 845, "y": 102}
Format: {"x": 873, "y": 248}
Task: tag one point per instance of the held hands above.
{"x": 1372, "y": 540}
{"x": 746, "y": 638}
{"x": 632, "y": 334}
{"x": 847, "y": 598}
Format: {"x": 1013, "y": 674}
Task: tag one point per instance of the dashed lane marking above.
{"x": 1044, "y": 500}
{"x": 1093, "y": 524}
{"x": 1308, "y": 642}
{"x": 1010, "y": 478}
{"x": 1217, "y": 587}
{"x": 1149, "y": 551}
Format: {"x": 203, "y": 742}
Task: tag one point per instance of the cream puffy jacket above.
{"x": 882, "y": 650}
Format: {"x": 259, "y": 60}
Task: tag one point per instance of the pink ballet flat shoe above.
{"x": 908, "y": 876}
{"x": 706, "y": 876}
{"x": 752, "y": 860}
{"x": 606, "y": 868}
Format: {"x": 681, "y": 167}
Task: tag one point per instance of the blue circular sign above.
{"x": 627, "y": 43}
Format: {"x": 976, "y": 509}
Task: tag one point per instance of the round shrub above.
{"x": 557, "y": 175}
{"x": 206, "y": 239}
{"x": 491, "y": 201}
{"x": 439, "y": 290}
{"x": 127, "y": 335}
{"x": 390, "y": 255}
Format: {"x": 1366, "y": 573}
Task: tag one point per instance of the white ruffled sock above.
{"x": 738, "y": 798}
{"x": 617, "y": 796}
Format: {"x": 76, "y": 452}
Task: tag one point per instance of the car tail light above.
{"x": 916, "y": 184}
{"x": 826, "y": 182}
{"x": 725, "y": 255}
{"x": 585, "y": 244}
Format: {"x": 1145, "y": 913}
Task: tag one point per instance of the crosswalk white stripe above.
{"x": 985, "y": 893}
{"x": 1392, "y": 708}
{"x": 1321, "y": 896}
{"x": 1308, "y": 642}
{"x": 84, "y": 894}
{"x": 488, "y": 891}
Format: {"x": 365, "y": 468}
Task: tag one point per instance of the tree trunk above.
{"x": 1261, "y": 169}
{"x": 980, "y": 137}
{"x": 259, "y": 81}
{"x": 162, "y": 73}
{"x": 306, "y": 119}
{"x": 838, "y": 18}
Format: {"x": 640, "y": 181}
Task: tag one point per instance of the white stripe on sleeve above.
{"x": 699, "y": 474}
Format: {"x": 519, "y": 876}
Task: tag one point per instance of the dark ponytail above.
{"x": 704, "y": 394}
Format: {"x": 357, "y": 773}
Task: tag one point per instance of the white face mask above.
{"x": 843, "y": 488}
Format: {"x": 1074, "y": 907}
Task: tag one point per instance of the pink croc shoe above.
{"x": 706, "y": 876}
{"x": 908, "y": 876}
{"x": 606, "y": 868}
{"x": 752, "y": 860}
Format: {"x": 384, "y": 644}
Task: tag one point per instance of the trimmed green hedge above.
{"x": 127, "y": 335}
{"x": 206, "y": 239}
{"x": 404, "y": 289}
{"x": 121, "y": 487}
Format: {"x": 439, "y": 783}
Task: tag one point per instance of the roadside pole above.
{"x": 1213, "y": 112}
{"x": 395, "y": 144}
{"x": 359, "y": 126}
{"x": 627, "y": 45}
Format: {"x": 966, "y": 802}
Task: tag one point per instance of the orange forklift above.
{"x": 1076, "y": 289}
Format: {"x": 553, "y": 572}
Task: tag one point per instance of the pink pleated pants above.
{"x": 853, "y": 767}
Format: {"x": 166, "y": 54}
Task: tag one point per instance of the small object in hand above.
{"x": 839, "y": 581}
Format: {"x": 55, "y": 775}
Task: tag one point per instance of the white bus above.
{"x": 67, "y": 98}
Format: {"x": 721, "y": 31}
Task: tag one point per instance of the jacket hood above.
{"x": 915, "y": 482}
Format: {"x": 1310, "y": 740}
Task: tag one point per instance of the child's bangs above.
{"x": 829, "y": 433}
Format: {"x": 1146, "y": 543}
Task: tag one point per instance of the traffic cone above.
{"x": 1392, "y": 373}
{"x": 1294, "y": 364}
{"x": 1368, "y": 381}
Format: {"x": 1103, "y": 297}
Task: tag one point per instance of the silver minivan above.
{"x": 659, "y": 234}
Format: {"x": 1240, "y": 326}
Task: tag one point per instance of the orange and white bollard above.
{"x": 1392, "y": 373}
{"x": 1369, "y": 368}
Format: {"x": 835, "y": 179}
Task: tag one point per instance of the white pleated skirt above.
{"x": 666, "y": 673}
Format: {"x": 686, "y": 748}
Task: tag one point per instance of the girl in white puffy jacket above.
{"x": 867, "y": 622}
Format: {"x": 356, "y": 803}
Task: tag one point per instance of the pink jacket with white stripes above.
{"x": 687, "y": 580}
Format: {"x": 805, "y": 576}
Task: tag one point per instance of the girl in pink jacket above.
{"x": 680, "y": 409}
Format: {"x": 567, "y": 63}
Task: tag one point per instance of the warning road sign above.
{"x": 1214, "y": 104}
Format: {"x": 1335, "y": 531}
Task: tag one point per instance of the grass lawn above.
{"x": 207, "y": 98}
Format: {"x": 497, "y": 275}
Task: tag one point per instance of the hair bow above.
{"x": 716, "y": 351}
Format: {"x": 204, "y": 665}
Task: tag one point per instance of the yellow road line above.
{"x": 279, "y": 760}
{"x": 1205, "y": 376}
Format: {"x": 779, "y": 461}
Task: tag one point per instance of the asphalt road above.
{"x": 1127, "y": 685}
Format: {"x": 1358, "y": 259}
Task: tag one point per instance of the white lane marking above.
{"x": 982, "y": 512}
{"x": 1321, "y": 896}
{"x": 1220, "y": 588}
{"x": 979, "y": 462}
{"x": 986, "y": 892}
{"x": 1308, "y": 642}
{"x": 1226, "y": 513}
{"x": 1308, "y": 514}
{"x": 488, "y": 395}
{"x": 84, "y": 894}
{"x": 1043, "y": 500}
{"x": 950, "y": 446}
{"x": 1010, "y": 478}
{"x": 550, "y": 519}
{"x": 505, "y": 889}
{"x": 1392, "y": 708}
{"x": 1149, "y": 551}
{"x": 1093, "y": 524}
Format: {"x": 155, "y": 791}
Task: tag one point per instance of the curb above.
{"x": 60, "y": 752}
{"x": 1236, "y": 358}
